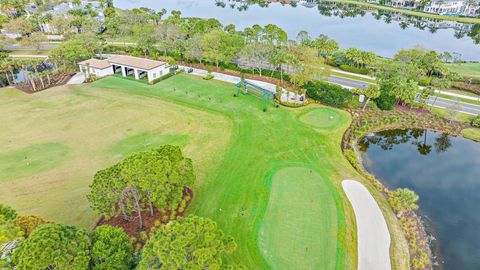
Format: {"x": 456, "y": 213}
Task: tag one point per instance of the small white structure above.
{"x": 126, "y": 65}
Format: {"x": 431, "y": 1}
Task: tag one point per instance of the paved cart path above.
{"x": 372, "y": 231}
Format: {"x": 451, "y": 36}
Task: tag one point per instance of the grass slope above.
{"x": 233, "y": 144}
{"x": 469, "y": 70}
{"x": 472, "y": 134}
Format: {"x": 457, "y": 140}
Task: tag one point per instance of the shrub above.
{"x": 29, "y": 223}
{"x": 7, "y": 212}
{"x": 385, "y": 101}
{"x": 403, "y": 200}
{"x": 163, "y": 77}
{"x": 208, "y": 77}
{"x": 327, "y": 93}
{"x": 9, "y": 230}
{"x": 111, "y": 249}
{"x": 363, "y": 71}
{"x": 424, "y": 81}
{"x": 474, "y": 88}
{"x": 476, "y": 122}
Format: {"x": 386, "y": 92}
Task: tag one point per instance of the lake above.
{"x": 445, "y": 172}
{"x": 352, "y": 26}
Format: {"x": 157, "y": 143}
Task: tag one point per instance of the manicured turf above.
{"x": 469, "y": 70}
{"x": 146, "y": 141}
{"x": 233, "y": 144}
{"x": 300, "y": 221}
{"x": 31, "y": 160}
{"x": 323, "y": 118}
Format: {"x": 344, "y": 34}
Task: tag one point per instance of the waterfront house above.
{"x": 452, "y": 8}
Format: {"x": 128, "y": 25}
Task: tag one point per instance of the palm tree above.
{"x": 424, "y": 148}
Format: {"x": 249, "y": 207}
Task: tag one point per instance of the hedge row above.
{"x": 163, "y": 77}
{"x": 363, "y": 71}
{"x": 328, "y": 94}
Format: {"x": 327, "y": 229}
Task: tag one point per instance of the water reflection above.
{"x": 386, "y": 140}
{"x": 445, "y": 172}
{"x": 346, "y": 10}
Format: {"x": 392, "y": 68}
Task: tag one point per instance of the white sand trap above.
{"x": 372, "y": 231}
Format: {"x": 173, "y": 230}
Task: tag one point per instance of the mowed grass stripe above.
{"x": 299, "y": 227}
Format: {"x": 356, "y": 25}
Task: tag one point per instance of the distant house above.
{"x": 453, "y": 8}
{"x": 63, "y": 10}
{"x": 136, "y": 67}
{"x": 408, "y": 4}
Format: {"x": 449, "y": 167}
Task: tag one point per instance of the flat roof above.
{"x": 141, "y": 63}
{"x": 96, "y": 63}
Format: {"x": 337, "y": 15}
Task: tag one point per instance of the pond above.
{"x": 352, "y": 26}
{"x": 445, "y": 172}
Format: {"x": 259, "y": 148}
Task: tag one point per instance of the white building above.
{"x": 126, "y": 65}
{"x": 453, "y": 8}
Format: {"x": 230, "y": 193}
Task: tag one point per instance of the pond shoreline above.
{"x": 431, "y": 163}
{"x": 365, "y": 122}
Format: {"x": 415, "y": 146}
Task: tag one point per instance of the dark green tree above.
{"x": 187, "y": 243}
{"x": 111, "y": 249}
{"x": 54, "y": 246}
{"x": 150, "y": 179}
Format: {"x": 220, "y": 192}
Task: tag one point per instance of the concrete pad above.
{"x": 372, "y": 231}
{"x": 78, "y": 78}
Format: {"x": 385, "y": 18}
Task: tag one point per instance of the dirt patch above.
{"x": 131, "y": 227}
{"x": 54, "y": 80}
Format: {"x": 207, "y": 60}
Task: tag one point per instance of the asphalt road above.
{"x": 44, "y": 47}
{"x": 454, "y": 105}
{"x": 346, "y": 82}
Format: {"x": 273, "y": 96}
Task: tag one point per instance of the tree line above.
{"x": 265, "y": 50}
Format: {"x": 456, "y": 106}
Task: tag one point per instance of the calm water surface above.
{"x": 445, "y": 172}
{"x": 385, "y": 35}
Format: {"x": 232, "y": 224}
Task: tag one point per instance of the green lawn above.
{"x": 469, "y": 70}
{"x": 472, "y": 134}
{"x": 300, "y": 221}
{"x": 351, "y": 76}
{"x": 462, "y": 117}
{"x": 249, "y": 164}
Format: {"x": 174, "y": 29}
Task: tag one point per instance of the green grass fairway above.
{"x": 146, "y": 141}
{"x": 323, "y": 118}
{"x": 469, "y": 70}
{"x": 300, "y": 221}
{"x": 234, "y": 147}
{"x": 31, "y": 160}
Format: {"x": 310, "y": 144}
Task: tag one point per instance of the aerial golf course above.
{"x": 271, "y": 180}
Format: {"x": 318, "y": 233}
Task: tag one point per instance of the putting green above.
{"x": 145, "y": 141}
{"x": 300, "y": 223}
{"x": 323, "y": 118}
{"x": 32, "y": 159}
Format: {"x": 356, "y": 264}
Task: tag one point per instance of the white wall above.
{"x": 96, "y": 71}
{"x": 158, "y": 72}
